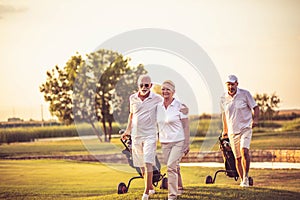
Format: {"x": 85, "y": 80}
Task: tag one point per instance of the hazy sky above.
{"x": 259, "y": 41}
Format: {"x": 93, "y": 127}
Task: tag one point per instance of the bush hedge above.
{"x": 27, "y": 134}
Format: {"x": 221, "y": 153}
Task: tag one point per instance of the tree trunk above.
{"x": 96, "y": 132}
{"x": 104, "y": 129}
{"x": 110, "y": 129}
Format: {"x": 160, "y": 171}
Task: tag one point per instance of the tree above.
{"x": 157, "y": 89}
{"x": 84, "y": 89}
{"x": 58, "y": 89}
{"x": 267, "y": 104}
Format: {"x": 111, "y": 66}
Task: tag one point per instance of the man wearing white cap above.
{"x": 236, "y": 106}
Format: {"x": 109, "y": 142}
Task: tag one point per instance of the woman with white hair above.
{"x": 174, "y": 134}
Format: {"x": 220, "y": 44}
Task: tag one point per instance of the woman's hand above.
{"x": 184, "y": 109}
{"x": 186, "y": 148}
{"x": 186, "y": 151}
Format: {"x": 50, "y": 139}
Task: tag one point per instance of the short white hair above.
{"x": 169, "y": 84}
{"x": 144, "y": 76}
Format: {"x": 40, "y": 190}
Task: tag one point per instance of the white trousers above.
{"x": 172, "y": 153}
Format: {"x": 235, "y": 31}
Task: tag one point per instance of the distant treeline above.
{"x": 290, "y": 116}
{"x": 277, "y": 116}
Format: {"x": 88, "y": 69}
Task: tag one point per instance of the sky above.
{"x": 259, "y": 41}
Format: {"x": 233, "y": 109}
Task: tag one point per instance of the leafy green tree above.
{"x": 58, "y": 89}
{"x": 267, "y": 104}
{"x": 84, "y": 89}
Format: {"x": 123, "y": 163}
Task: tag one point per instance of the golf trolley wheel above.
{"x": 122, "y": 189}
{"x": 164, "y": 183}
{"x": 209, "y": 180}
{"x": 250, "y": 181}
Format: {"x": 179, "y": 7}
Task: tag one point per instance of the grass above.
{"x": 291, "y": 125}
{"x": 64, "y": 147}
{"x": 57, "y": 179}
{"x": 276, "y": 140}
{"x": 271, "y": 140}
{"x": 62, "y": 179}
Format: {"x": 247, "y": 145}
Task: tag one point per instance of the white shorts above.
{"x": 143, "y": 151}
{"x": 240, "y": 140}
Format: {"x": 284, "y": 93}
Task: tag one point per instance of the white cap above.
{"x": 231, "y": 79}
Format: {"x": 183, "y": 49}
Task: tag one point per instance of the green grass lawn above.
{"x": 64, "y": 147}
{"x": 62, "y": 179}
{"x": 276, "y": 140}
{"x": 58, "y": 179}
{"x": 272, "y": 140}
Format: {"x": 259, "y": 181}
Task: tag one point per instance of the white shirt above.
{"x": 169, "y": 122}
{"x": 238, "y": 110}
{"x": 144, "y": 115}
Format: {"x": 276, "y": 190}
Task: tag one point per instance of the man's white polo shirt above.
{"x": 144, "y": 115}
{"x": 169, "y": 122}
{"x": 238, "y": 110}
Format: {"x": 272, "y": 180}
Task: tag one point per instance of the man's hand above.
{"x": 125, "y": 135}
{"x": 254, "y": 123}
{"x": 255, "y": 117}
{"x": 224, "y": 135}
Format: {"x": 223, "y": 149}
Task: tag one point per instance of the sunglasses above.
{"x": 146, "y": 85}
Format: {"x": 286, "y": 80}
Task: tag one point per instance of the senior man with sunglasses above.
{"x": 142, "y": 128}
